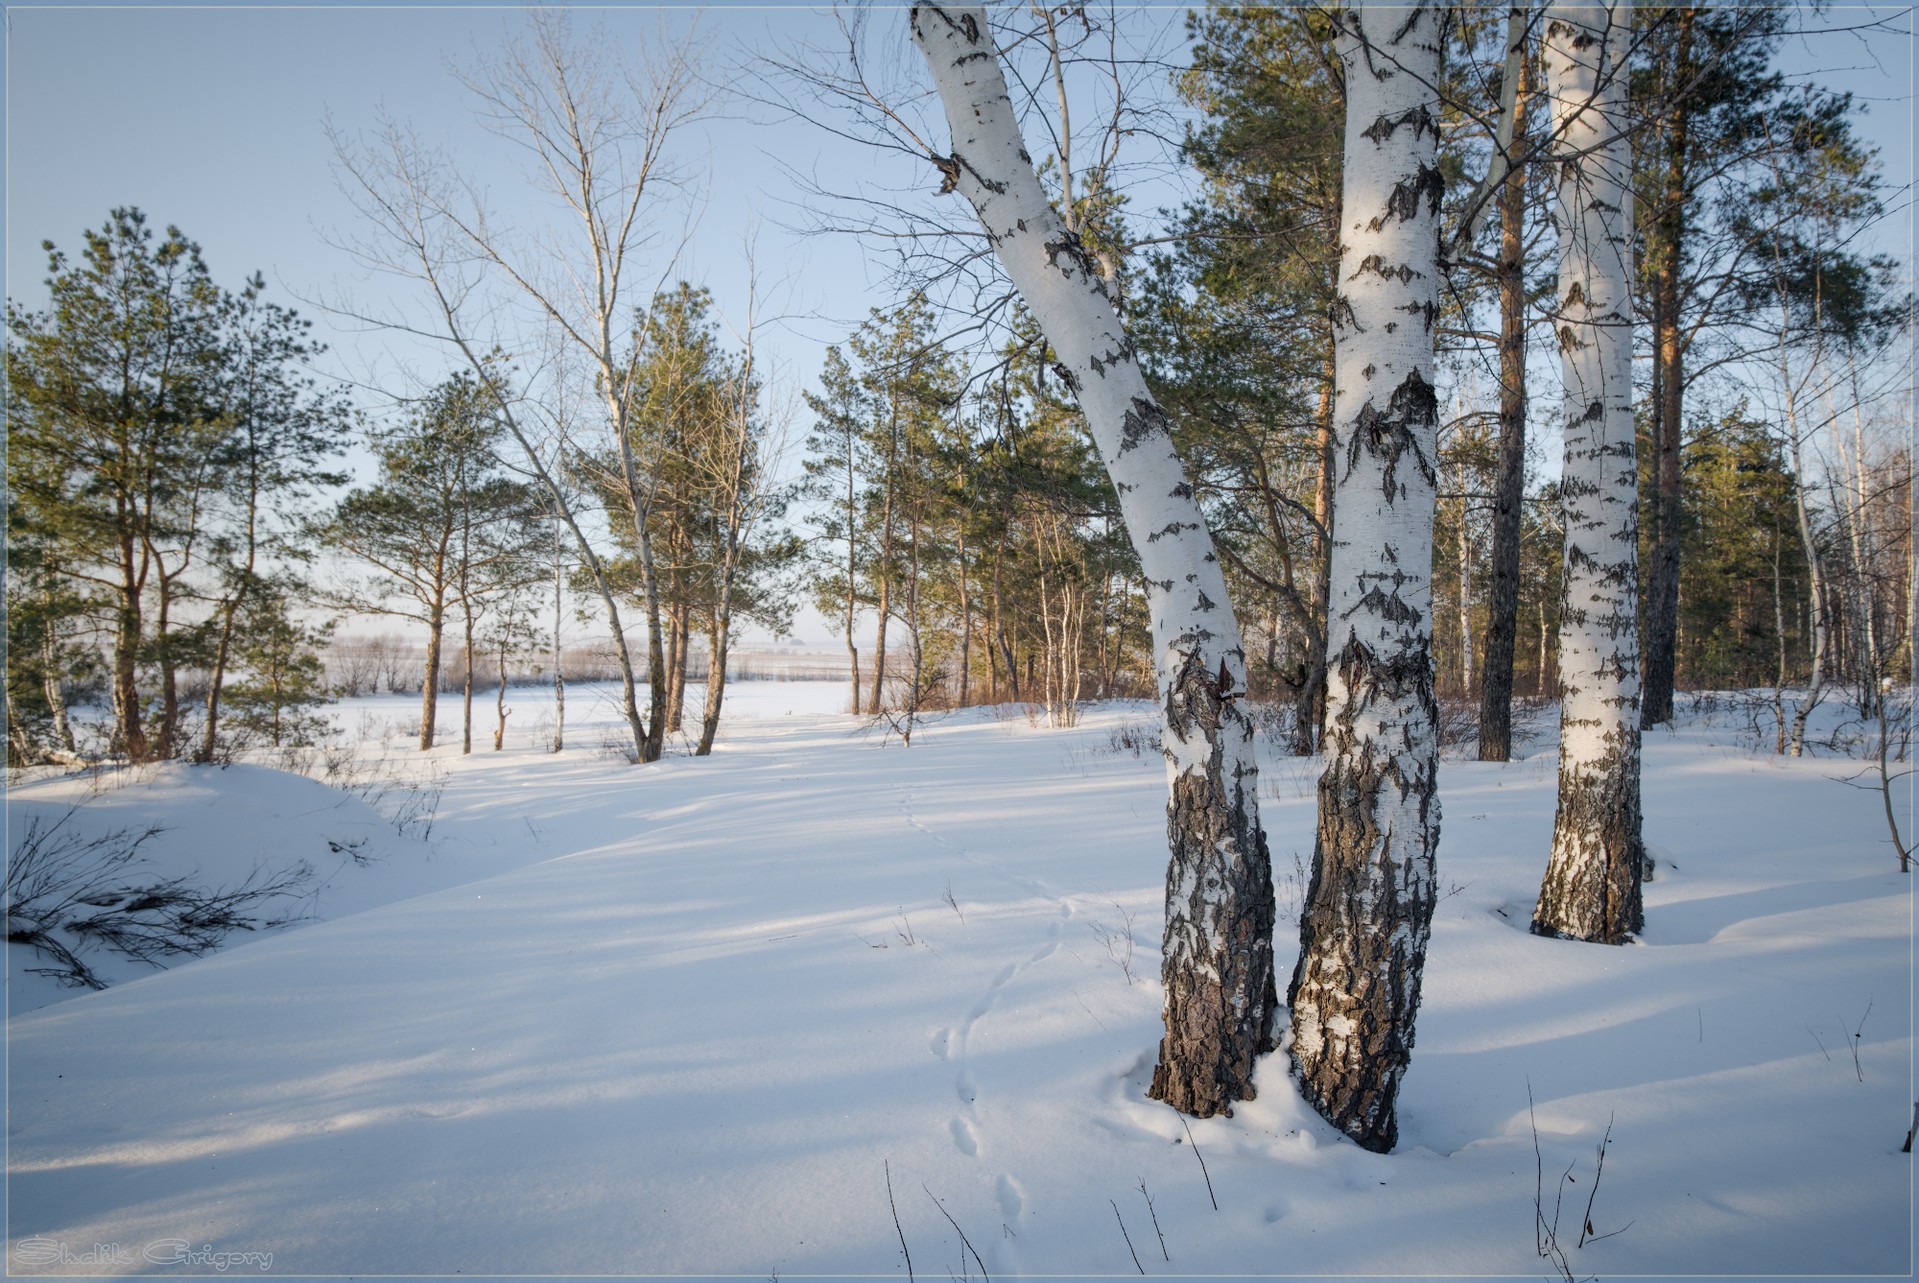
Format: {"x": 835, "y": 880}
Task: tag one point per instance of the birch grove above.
{"x": 1369, "y": 907}
{"x": 1592, "y": 884}
{"x": 1217, "y": 964}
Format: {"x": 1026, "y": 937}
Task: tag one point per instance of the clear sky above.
{"x": 212, "y": 119}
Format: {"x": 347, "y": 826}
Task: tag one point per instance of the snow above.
{"x": 693, "y": 1018}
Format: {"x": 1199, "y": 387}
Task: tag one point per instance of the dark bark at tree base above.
{"x": 1219, "y": 913}
{"x": 1355, "y": 990}
{"x": 1592, "y": 887}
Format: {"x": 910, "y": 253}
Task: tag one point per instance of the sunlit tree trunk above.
{"x": 500, "y": 710}
{"x": 1369, "y": 907}
{"x": 559, "y": 676}
{"x": 1217, "y": 964}
{"x": 1592, "y": 885}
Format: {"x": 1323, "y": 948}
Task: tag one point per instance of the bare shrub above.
{"x": 67, "y": 892}
{"x": 1135, "y": 739}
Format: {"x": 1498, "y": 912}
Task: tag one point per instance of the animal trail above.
{"x": 965, "y": 1138}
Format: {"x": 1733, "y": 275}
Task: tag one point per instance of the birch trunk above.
{"x": 1217, "y": 966}
{"x": 51, "y": 686}
{"x": 1591, "y": 889}
{"x": 1369, "y": 907}
{"x": 1465, "y": 542}
{"x": 884, "y": 570}
{"x": 559, "y": 676}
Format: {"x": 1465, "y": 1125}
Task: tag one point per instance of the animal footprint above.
{"x": 964, "y": 1139}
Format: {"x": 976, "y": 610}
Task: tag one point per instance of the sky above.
{"x": 214, "y": 120}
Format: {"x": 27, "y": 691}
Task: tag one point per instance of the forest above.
{"x": 1489, "y": 363}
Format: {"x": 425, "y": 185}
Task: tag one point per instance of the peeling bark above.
{"x": 1368, "y": 913}
{"x": 1217, "y": 961}
{"x": 1591, "y": 890}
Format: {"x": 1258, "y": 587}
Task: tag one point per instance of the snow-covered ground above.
{"x": 780, "y": 1009}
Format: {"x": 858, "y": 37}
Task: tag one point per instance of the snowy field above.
{"x": 818, "y": 999}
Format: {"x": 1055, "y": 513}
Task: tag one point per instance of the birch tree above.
{"x": 1220, "y": 1002}
{"x": 593, "y": 129}
{"x": 1592, "y": 885}
{"x": 1369, "y": 907}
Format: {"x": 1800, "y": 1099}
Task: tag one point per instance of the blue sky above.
{"x": 212, "y": 119}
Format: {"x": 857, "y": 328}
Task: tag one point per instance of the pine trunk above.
{"x": 1368, "y": 912}
{"x": 1217, "y": 969}
{"x": 164, "y": 747}
{"x": 1591, "y": 889}
{"x": 1309, "y": 731}
{"x": 1509, "y": 482}
{"x": 500, "y": 709}
{"x": 466, "y": 686}
{"x": 965, "y": 621}
{"x": 1665, "y": 246}
{"x": 430, "y": 691}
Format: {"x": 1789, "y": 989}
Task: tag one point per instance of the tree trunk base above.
{"x": 1222, "y": 1002}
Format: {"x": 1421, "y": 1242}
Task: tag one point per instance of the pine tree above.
{"x": 439, "y": 518}
{"x": 155, "y": 420}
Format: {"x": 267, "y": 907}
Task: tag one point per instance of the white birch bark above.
{"x": 1217, "y": 964}
{"x": 1369, "y": 908}
{"x": 1591, "y": 889}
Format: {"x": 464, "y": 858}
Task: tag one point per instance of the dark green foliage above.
{"x": 160, "y": 431}
{"x": 444, "y": 528}
{"x": 1742, "y": 573}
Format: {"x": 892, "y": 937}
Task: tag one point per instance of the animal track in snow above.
{"x": 965, "y": 1138}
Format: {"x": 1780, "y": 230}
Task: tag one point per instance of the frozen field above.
{"x": 698, "y": 1017}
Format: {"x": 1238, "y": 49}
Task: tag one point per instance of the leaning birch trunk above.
{"x": 1592, "y": 885}
{"x": 1220, "y": 1003}
{"x": 1369, "y": 907}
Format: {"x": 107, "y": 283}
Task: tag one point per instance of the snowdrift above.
{"x": 819, "y": 1002}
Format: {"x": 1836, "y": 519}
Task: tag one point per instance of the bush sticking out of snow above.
{"x": 69, "y": 891}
